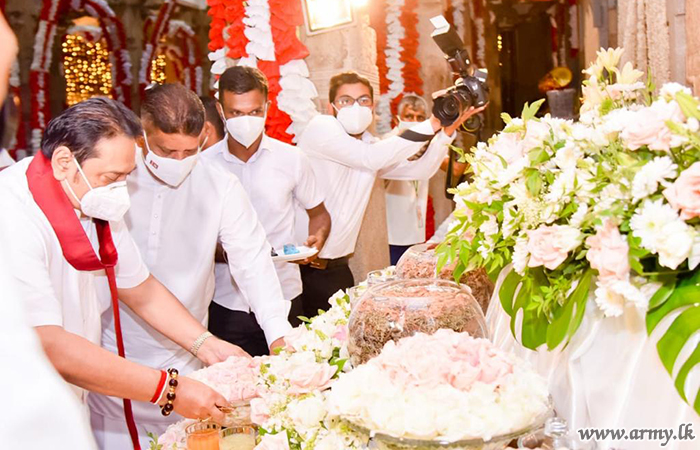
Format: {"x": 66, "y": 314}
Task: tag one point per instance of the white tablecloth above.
{"x": 610, "y": 375}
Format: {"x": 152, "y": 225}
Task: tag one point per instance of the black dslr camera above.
{"x": 469, "y": 90}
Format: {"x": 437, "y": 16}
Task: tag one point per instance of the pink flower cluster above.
{"x": 684, "y": 194}
{"x": 235, "y": 378}
{"x": 608, "y": 254}
{"x": 549, "y": 246}
{"x": 443, "y": 358}
{"x": 310, "y": 377}
{"x": 649, "y": 126}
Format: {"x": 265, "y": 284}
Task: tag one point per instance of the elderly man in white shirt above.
{"x": 346, "y": 159}
{"x": 60, "y": 210}
{"x": 181, "y": 206}
{"x": 275, "y": 175}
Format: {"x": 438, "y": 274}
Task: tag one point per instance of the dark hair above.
{"x": 242, "y": 79}
{"x": 344, "y": 78}
{"x": 213, "y": 116}
{"x": 84, "y": 124}
{"x": 173, "y": 108}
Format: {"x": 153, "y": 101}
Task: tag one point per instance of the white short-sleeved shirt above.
{"x": 275, "y": 177}
{"x": 54, "y": 292}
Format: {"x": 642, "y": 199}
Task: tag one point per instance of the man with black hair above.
{"x": 347, "y": 159}
{"x": 70, "y": 256}
{"x": 275, "y": 175}
{"x": 213, "y": 126}
{"x": 180, "y": 207}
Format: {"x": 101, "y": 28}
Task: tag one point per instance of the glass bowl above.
{"x": 238, "y": 438}
{"x": 402, "y": 308}
{"x": 237, "y": 414}
{"x": 381, "y": 441}
{"x": 420, "y": 261}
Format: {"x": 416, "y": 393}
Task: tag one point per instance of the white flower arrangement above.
{"x": 606, "y": 207}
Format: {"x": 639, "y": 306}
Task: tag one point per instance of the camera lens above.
{"x": 448, "y": 107}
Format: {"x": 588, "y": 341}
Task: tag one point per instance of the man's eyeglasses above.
{"x": 345, "y": 101}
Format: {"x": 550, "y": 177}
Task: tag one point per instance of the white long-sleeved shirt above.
{"x": 407, "y": 203}
{"x": 346, "y": 169}
{"x": 275, "y": 177}
{"x": 177, "y": 230}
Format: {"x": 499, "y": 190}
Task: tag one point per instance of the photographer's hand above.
{"x": 450, "y": 130}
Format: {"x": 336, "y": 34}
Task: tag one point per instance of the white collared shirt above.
{"x": 275, "y": 177}
{"x": 346, "y": 169}
{"x": 177, "y": 230}
{"x": 53, "y": 291}
{"x": 407, "y": 203}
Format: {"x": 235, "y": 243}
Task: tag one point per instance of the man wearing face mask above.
{"x": 70, "y": 256}
{"x": 275, "y": 175}
{"x": 346, "y": 159}
{"x": 180, "y": 207}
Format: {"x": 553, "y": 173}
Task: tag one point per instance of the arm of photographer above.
{"x": 427, "y": 165}
{"x": 326, "y": 138}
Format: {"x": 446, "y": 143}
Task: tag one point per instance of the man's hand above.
{"x": 312, "y": 241}
{"x": 471, "y": 111}
{"x": 277, "y": 344}
{"x": 196, "y": 400}
{"x": 215, "y": 350}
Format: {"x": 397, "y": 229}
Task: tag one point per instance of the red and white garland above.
{"x": 396, "y": 24}
{"x": 113, "y": 31}
{"x": 188, "y": 54}
{"x": 151, "y": 43}
{"x": 262, "y": 34}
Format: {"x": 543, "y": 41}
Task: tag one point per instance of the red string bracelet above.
{"x": 159, "y": 389}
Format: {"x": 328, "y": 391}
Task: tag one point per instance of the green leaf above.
{"x": 688, "y": 104}
{"x": 580, "y": 297}
{"x": 535, "y": 328}
{"x": 691, "y": 362}
{"x": 671, "y": 344}
{"x": 507, "y": 291}
{"x": 530, "y": 111}
{"x": 534, "y": 183}
{"x": 557, "y": 330}
{"x": 520, "y": 302}
{"x": 506, "y": 118}
{"x": 681, "y": 296}
{"x": 663, "y": 293}
{"x": 538, "y": 155}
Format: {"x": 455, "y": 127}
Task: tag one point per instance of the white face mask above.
{"x": 245, "y": 129}
{"x": 355, "y": 119}
{"x": 404, "y": 125}
{"x": 108, "y": 203}
{"x": 170, "y": 171}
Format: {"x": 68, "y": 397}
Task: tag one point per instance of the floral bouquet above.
{"x": 607, "y": 207}
{"x": 289, "y": 388}
{"x": 447, "y": 386}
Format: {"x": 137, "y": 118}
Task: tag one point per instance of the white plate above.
{"x": 304, "y": 252}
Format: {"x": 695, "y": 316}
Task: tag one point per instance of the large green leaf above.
{"x": 682, "y": 296}
{"x": 691, "y": 362}
{"x": 562, "y": 325}
{"x": 521, "y": 302}
{"x": 507, "y": 291}
{"x": 672, "y": 342}
{"x": 534, "y": 328}
{"x": 580, "y": 297}
{"x": 663, "y": 293}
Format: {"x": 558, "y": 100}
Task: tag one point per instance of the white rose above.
{"x": 674, "y": 244}
{"x": 308, "y": 412}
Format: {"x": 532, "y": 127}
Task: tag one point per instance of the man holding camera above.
{"x": 346, "y": 159}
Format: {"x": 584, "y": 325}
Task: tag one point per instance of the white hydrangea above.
{"x": 663, "y": 232}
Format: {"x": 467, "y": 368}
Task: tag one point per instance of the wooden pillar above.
{"x": 692, "y": 18}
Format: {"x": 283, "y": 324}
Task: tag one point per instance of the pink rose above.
{"x": 309, "y": 377}
{"x": 649, "y": 127}
{"x": 259, "y": 411}
{"x": 684, "y": 194}
{"x": 608, "y": 253}
{"x": 509, "y": 147}
{"x": 549, "y": 246}
{"x": 278, "y": 441}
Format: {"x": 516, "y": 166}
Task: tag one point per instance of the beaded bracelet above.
{"x": 172, "y": 384}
